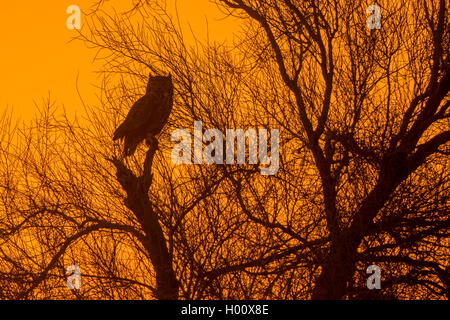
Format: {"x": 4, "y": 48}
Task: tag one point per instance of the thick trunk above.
{"x": 154, "y": 242}
{"x": 338, "y": 270}
{"x": 339, "y": 267}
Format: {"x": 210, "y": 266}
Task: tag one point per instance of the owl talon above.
{"x": 151, "y": 140}
{"x": 148, "y": 139}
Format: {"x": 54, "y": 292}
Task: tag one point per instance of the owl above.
{"x": 148, "y": 115}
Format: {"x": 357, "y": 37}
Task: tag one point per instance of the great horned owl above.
{"x": 148, "y": 115}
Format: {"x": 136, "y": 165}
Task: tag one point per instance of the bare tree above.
{"x": 363, "y": 177}
{"x": 371, "y": 109}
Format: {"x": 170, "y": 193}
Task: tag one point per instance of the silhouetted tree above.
{"x": 363, "y": 178}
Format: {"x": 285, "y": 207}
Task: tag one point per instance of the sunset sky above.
{"x": 38, "y": 59}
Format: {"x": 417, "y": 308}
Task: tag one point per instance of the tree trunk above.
{"x": 155, "y": 243}
{"x": 338, "y": 270}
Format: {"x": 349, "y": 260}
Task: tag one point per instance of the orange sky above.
{"x": 37, "y": 59}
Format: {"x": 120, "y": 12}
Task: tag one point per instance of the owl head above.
{"x": 159, "y": 83}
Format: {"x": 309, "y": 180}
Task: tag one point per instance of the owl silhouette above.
{"x": 148, "y": 115}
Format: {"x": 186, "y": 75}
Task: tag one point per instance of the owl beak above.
{"x": 169, "y": 76}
